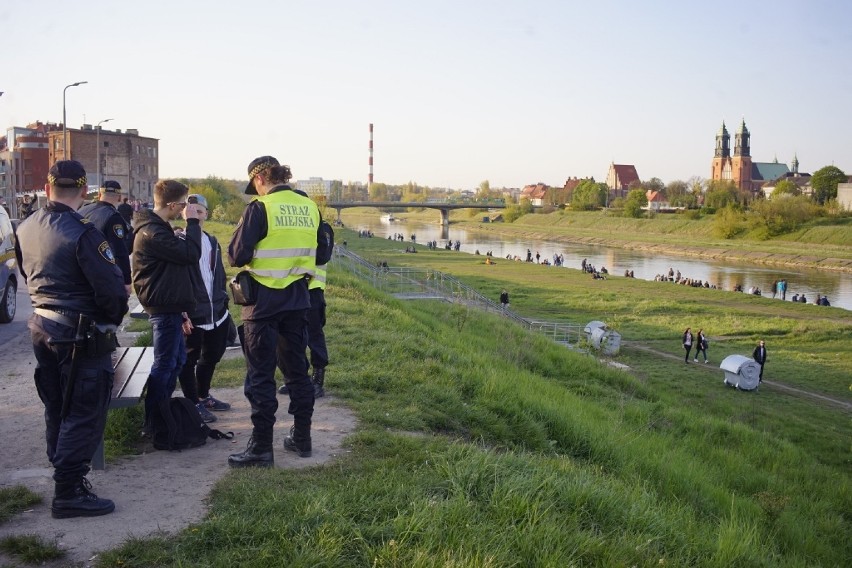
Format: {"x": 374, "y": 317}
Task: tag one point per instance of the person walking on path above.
{"x": 76, "y": 290}
{"x": 164, "y": 269}
{"x": 701, "y": 345}
{"x": 504, "y": 299}
{"x": 687, "y": 344}
{"x": 275, "y": 241}
{"x": 206, "y": 331}
{"x": 759, "y": 355}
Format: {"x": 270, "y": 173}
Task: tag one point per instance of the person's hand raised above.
{"x": 192, "y": 211}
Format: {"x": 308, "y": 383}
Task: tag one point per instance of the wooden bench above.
{"x": 131, "y": 365}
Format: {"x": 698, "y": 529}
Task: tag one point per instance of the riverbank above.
{"x": 817, "y": 247}
{"x": 471, "y": 428}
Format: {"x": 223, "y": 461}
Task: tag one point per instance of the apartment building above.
{"x": 125, "y": 156}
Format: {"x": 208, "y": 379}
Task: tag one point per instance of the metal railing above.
{"x": 426, "y": 283}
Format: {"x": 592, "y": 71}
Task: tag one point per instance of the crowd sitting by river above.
{"x": 778, "y": 287}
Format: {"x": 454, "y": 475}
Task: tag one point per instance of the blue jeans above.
{"x": 169, "y": 357}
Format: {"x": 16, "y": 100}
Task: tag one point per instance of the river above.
{"x": 837, "y": 286}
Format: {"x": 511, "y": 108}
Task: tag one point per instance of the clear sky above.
{"x": 461, "y": 91}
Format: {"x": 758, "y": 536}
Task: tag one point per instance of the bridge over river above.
{"x": 444, "y": 206}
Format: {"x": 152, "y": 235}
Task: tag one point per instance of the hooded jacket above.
{"x": 165, "y": 266}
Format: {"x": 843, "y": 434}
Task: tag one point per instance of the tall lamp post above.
{"x": 64, "y": 121}
{"x": 98, "y": 150}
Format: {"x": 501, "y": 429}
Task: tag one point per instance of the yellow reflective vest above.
{"x": 318, "y": 281}
{"x": 288, "y": 253}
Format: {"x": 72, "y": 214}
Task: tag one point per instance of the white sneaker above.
{"x": 706, "y": 361}
{"x": 695, "y": 360}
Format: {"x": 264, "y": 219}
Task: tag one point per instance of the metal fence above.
{"x": 426, "y": 283}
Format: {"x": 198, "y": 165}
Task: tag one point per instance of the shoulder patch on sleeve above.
{"x": 106, "y": 252}
{"x": 85, "y": 220}
{"x": 118, "y": 229}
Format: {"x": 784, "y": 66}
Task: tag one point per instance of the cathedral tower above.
{"x": 721, "y": 168}
{"x": 741, "y": 162}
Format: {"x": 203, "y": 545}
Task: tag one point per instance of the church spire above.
{"x": 794, "y": 165}
{"x": 723, "y": 142}
{"x": 742, "y": 146}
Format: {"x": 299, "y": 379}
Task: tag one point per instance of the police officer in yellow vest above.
{"x": 316, "y": 337}
{"x": 276, "y": 241}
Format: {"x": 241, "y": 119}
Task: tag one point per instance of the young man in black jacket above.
{"x": 165, "y": 269}
{"x": 207, "y": 329}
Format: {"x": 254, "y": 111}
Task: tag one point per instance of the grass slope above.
{"x": 482, "y": 445}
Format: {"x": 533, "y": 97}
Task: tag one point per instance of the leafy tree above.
{"x": 824, "y": 182}
{"x": 778, "y": 216}
{"x": 721, "y": 194}
{"x": 636, "y": 199}
{"x": 379, "y": 192}
{"x": 680, "y": 194}
{"x": 785, "y": 187}
{"x": 728, "y": 223}
{"x": 514, "y": 212}
{"x": 411, "y": 192}
{"x": 653, "y": 184}
{"x": 589, "y": 195}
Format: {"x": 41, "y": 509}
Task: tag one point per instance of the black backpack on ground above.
{"x": 177, "y": 425}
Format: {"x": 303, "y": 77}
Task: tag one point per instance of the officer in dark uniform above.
{"x": 276, "y": 241}
{"x": 72, "y": 279}
{"x": 104, "y": 215}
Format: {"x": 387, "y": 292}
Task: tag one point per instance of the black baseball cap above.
{"x": 111, "y": 186}
{"x": 67, "y": 173}
{"x": 255, "y": 167}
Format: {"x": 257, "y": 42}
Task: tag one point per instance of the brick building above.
{"x": 739, "y": 167}
{"x": 24, "y": 161}
{"x": 130, "y": 159}
{"x": 621, "y": 178}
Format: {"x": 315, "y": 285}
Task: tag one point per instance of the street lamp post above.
{"x": 98, "y": 150}
{"x": 64, "y": 121}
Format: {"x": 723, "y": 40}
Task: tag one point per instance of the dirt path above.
{"x": 842, "y": 404}
{"x": 156, "y": 492}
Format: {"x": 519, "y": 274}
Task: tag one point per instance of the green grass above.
{"x": 482, "y": 445}
{"x": 30, "y": 549}
{"x": 15, "y": 499}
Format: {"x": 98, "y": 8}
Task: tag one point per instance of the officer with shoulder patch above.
{"x": 104, "y": 215}
{"x": 276, "y": 241}
{"x": 73, "y": 279}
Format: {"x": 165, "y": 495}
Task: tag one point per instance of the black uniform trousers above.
{"x": 316, "y": 335}
{"x": 204, "y": 350}
{"x": 70, "y": 442}
{"x": 261, "y": 348}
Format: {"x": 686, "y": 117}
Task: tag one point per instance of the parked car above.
{"x": 8, "y": 269}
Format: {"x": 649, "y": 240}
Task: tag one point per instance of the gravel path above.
{"x": 155, "y": 492}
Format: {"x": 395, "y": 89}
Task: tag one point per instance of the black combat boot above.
{"x": 75, "y": 499}
{"x": 284, "y": 389}
{"x": 256, "y": 454}
{"x": 299, "y": 442}
{"x": 318, "y": 379}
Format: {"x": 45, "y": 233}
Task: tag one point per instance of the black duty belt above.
{"x": 64, "y": 317}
